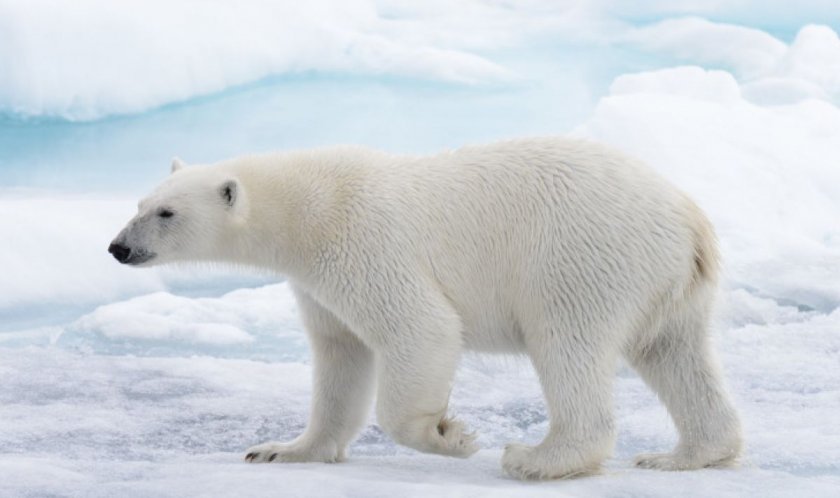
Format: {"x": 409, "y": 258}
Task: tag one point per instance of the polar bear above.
{"x": 560, "y": 249}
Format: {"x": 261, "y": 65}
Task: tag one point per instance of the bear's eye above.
{"x": 165, "y": 213}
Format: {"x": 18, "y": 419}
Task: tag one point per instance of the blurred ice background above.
{"x": 116, "y": 381}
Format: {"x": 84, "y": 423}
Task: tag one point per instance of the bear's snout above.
{"x": 127, "y": 255}
{"x": 120, "y": 252}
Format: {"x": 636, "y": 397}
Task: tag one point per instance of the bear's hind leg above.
{"x": 576, "y": 376}
{"x": 679, "y": 365}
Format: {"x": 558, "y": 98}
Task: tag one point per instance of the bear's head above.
{"x": 186, "y": 218}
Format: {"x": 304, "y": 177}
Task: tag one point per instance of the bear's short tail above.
{"x": 706, "y": 254}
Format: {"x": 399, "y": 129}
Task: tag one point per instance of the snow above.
{"x": 773, "y": 71}
{"x": 814, "y": 56}
{"x": 123, "y": 382}
{"x": 159, "y": 52}
{"x": 746, "y": 51}
{"x": 766, "y": 175}
{"x": 66, "y": 236}
{"x": 57, "y": 65}
{"x": 97, "y": 425}
{"x": 57, "y": 265}
{"x": 249, "y": 322}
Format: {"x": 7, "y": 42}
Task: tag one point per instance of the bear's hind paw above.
{"x": 534, "y": 463}
{"x": 457, "y": 442}
{"x": 678, "y": 461}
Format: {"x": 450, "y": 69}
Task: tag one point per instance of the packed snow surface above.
{"x": 81, "y": 423}
{"x": 123, "y": 382}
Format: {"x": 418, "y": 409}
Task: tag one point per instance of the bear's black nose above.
{"x": 121, "y": 252}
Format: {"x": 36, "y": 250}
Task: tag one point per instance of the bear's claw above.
{"x": 293, "y": 452}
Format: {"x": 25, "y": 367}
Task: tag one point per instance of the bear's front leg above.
{"x": 414, "y": 376}
{"x": 342, "y": 392}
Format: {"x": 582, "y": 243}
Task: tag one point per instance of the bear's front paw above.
{"x": 295, "y": 451}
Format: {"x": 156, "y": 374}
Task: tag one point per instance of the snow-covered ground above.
{"x": 121, "y": 382}
{"x": 82, "y": 423}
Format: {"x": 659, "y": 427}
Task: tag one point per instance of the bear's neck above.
{"x": 296, "y": 206}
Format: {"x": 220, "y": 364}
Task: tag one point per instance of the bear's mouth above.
{"x": 139, "y": 257}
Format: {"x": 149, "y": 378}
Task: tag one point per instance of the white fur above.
{"x": 559, "y": 249}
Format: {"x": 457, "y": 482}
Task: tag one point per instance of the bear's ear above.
{"x": 177, "y": 164}
{"x": 229, "y": 191}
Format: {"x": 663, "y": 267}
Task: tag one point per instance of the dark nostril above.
{"x": 120, "y": 252}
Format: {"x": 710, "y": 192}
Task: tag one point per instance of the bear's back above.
{"x": 502, "y": 226}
